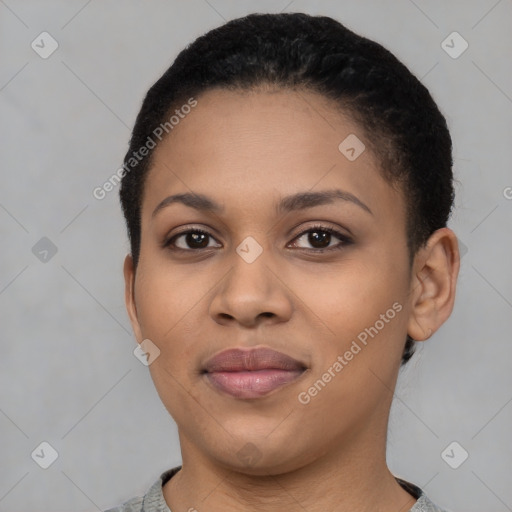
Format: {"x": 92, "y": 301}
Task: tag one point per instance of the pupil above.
{"x": 314, "y": 237}
{"x": 193, "y": 238}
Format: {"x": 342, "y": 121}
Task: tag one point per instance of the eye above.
{"x": 320, "y": 238}
{"x": 193, "y": 239}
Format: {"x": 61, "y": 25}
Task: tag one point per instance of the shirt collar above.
{"x": 154, "y": 499}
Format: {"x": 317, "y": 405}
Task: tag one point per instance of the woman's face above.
{"x": 268, "y": 275}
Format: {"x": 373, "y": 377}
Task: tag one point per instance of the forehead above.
{"x": 249, "y": 146}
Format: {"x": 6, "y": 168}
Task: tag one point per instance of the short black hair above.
{"x": 400, "y": 122}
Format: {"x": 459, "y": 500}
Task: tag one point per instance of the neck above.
{"x": 353, "y": 477}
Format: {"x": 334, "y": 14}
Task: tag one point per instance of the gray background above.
{"x": 68, "y": 375}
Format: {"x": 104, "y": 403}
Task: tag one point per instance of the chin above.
{"x": 251, "y": 461}
{"x": 261, "y": 456}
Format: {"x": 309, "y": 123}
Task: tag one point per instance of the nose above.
{"x": 251, "y": 293}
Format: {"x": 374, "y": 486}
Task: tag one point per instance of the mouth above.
{"x": 251, "y": 373}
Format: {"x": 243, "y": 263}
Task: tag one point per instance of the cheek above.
{"x": 355, "y": 363}
{"x": 355, "y": 296}
{"x": 364, "y": 308}
{"x": 167, "y": 306}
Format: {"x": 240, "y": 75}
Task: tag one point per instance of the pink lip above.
{"x": 251, "y": 373}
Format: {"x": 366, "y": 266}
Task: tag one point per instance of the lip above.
{"x": 251, "y": 373}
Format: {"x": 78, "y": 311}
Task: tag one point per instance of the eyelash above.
{"x": 344, "y": 240}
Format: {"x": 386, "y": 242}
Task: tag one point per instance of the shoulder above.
{"x": 423, "y": 503}
{"x": 152, "y": 501}
{"x": 133, "y": 505}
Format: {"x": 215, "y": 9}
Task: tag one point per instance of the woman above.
{"x": 286, "y": 193}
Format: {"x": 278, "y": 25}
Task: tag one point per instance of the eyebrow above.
{"x": 299, "y": 201}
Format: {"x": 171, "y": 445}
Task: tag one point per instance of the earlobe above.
{"x": 129, "y": 295}
{"x": 435, "y": 272}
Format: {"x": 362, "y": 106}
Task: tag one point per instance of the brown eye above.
{"x": 190, "y": 240}
{"x": 320, "y": 238}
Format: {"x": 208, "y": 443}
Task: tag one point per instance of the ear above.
{"x": 435, "y": 271}
{"x": 129, "y": 296}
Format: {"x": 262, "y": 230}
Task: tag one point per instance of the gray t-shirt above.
{"x": 153, "y": 500}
